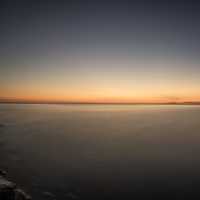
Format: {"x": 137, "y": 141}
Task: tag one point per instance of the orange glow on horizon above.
{"x": 119, "y": 81}
{"x": 99, "y": 99}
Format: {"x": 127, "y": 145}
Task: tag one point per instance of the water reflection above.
{"x": 105, "y": 151}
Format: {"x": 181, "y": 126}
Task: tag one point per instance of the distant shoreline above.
{"x": 99, "y": 103}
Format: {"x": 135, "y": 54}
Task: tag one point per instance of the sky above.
{"x": 100, "y": 51}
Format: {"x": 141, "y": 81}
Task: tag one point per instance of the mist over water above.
{"x": 102, "y": 151}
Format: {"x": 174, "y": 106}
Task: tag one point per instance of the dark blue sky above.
{"x": 34, "y": 28}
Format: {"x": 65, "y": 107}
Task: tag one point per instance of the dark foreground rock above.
{"x": 2, "y": 173}
{"x": 10, "y": 191}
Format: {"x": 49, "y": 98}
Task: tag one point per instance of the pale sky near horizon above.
{"x": 96, "y": 51}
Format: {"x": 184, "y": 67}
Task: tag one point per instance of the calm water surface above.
{"x": 102, "y": 151}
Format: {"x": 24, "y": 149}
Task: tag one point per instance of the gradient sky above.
{"x": 100, "y": 51}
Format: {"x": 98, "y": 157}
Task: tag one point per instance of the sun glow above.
{"x": 103, "y": 80}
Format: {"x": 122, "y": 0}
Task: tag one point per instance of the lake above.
{"x": 102, "y": 151}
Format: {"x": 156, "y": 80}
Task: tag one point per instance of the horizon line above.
{"x": 101, "y": 103}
